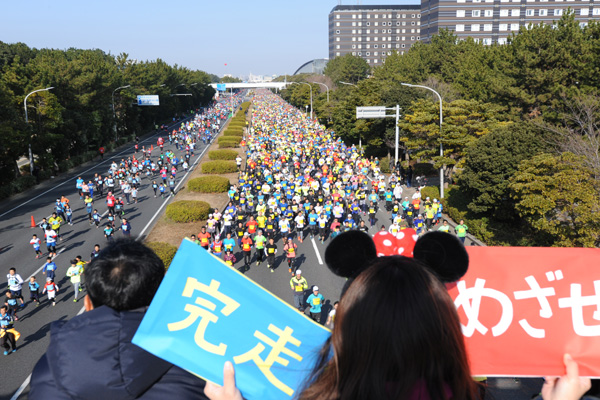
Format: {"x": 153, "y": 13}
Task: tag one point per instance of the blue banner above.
{"x": 206, "y": 313}
{"x": 148, "y": 100}
{"x": 221, "y": 87}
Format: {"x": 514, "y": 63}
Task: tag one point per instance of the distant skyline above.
{"x": 264, "y": 37}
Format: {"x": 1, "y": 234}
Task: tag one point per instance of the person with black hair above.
{"x": 91, "y": 356}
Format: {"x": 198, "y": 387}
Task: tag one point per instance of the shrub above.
{"x": 384, "y": 165}
{"x": 235, "y": 139}
{"x": 22, "y": 183}
{"x": 228, "y": 145}
{"x": 222, "y": 154}
{"x": 219, "y": 167}
{"x": 188, "y": 211}
{"x": 424, "y": 169}
{"x": 209, "y": 184}
{"x": 433, "y": 192}
{"x": 164, "y": 251}
{"x": 234, "y": 134}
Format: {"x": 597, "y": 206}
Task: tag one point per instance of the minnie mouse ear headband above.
{"x": 352, "y": 252}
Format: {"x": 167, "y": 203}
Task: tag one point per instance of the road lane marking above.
{"x": 316, "y": 251}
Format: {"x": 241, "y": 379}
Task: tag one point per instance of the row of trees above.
{"x": 521, "y": 127}
{"x": 69, "y": 123}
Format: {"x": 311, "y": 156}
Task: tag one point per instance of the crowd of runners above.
{"x": 300, "y": 182}
{"x": 105, "y": 200}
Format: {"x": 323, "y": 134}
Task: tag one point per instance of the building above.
{"x": 316, "y": 66}
{"x": 493, "y": 21}
{"x": 373, "y": 32}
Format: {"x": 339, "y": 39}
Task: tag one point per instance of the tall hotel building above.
{"x": 373, "y": 32}
{"x": 493, "y": 21}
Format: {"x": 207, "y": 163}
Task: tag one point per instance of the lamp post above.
{"x": 27, "y": 122}
{"x": 441, "y": 145}
{"x": 113, "y": 108}
{"x": 326, "y": 87}
{"x": 311, "y": 96}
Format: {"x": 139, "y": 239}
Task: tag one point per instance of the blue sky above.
{"x": 263, "y": 37}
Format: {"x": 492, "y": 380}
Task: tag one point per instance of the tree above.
{"x": 465, "y": 121}
{"x": 491, "y": 161}
{"x": 347, "y": 68}
{"x": 559, "y": 200}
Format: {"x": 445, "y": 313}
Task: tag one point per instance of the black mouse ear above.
{"x": 350, "y": 253}
{"x": 444, "y": 254}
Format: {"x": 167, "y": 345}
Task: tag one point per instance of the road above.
{"x": 79, "y": 239}
{"x": 34, "y": 324}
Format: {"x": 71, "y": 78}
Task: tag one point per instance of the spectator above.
{"x": 91, "y": 356}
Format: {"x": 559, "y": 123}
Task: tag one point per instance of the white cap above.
{"x": 298, "y": 272}
{"x": 315, "y": 288}
{"x": 245, "y": 233}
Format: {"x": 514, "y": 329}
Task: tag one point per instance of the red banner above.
{"x": 522, "y": 308}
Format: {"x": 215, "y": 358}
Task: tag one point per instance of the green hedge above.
{"x": 478, "y": 227}
{"x": 234, "y": 134}
{"x": 228, "y": 145}
{"x": 209, "y": 184}
{"x": 384, "y": 165}
{"x": 164, "y": 251}
{"x": 219, "y": 167}
{"x": 222, "y": 154}
{"x": 235, "y": 139}
{"x": 18, "y": 185}
{"x": 188, "y": 211}
{"x": 433, "y": 192}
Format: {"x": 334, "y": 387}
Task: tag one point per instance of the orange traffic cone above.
{"x": 33, "y": 225}
{"x": 151, "y": 148}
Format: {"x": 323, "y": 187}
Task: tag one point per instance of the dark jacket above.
{"x": 91, "y": 357}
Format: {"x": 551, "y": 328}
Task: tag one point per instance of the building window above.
{"x": 360, "y": 46}
{"x": 558, "y": 12}
{"x": 397, "y": 46}
{"x": 337, "y": 24}
{"x": 503, "y": 27}
{"x": 337, "y": 39}
{"x": 338, "y": 32}
{"x": 543, "y": 12}
{"x": 475, "y": 27}
{"x": 412, "y": 38}
{"x": 368, "y": 31}
{"x": 337, "y": 46}
{"x": 403, "y": 30}
{"x": 584, "y": 11}
{"x": 368, "y": 46}
{"x": 368, "y": 53}
{"x": 375, "y": 46}
{"x": 353, "y": 16}
{"x": 514, "y": 27}
{"x": 368, "y": 16}
{"x": 412, "y": 23}
{"x": 368, "y": 24}
{"x": 376, "y": 31}
{"x": 403, "y": 23}
{"x": 337, "y": 54}
{"x": 354, "y": 39}
{"x": 376, "y": 53}
{"x": 504, "y": 13}
{"x": 376, "y": 16}
{"x": 487, "y": 41}
{"x": 413, "y": 16}
{"x": 360, "y": 53}
{"x": 337, "y": 16}
{"x": 530, "y": 12}
{"x": 596, "y": 11}
{"x": 376, "y": 23}
{"x": 397, "y": 23}
{"x": 476, "y": 13}
{"x": 487, "y": 27}
{"x": 354, "y": 24}
{"x": 418, "y": 37}
{"x": 501, "y": 40}
{"x": 389, "y": 31}
{"x": 353, "y": 53}
{"x": 353, "y": 46}
{"x": 488, "y": 13}
{"x": 375, "y": 61}
{"x": 403, "y": 15}
{"x": 515, "y": 12}
{"x": 418, "y": 15}
{"x": 459, "y": 28}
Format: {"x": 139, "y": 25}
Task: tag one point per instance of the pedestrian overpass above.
{"x": 253, "y": 85}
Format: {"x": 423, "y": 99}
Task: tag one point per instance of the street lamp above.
{"x": 113, "y": 107}
{"x": 311, "y": 96}
{"x": 326, "y": 87}
{"x": 306, "y": 106}
{"x": 27, "y": 122}
{"x": 441, "y": 145}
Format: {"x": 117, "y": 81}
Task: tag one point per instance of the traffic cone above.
{"x": 33, "y": 225}
{"x": 151, "y": 148}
